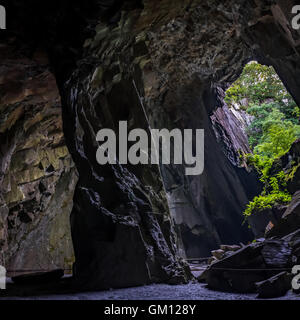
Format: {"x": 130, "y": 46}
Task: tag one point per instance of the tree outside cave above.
{"x": 273, "y": 130}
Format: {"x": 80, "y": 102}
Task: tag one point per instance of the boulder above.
{"x": 227, "y": 248}
{"x": 219, "y": 254}
{"x": 261, "y": 220}
{"x": 212, "y": 260}
{"x": 290, "y": 220}
{"x": 232, "y": 273}
{"x": 269, "y": 227}
{"x": 242, "y": 270}
{"x": 241, "y": 258}
{"x": 39, "y": 278}
{"x": 202, "y": 278}
{"x": 274, "y": 287}
{"x": 277, "y": 253}
{"x": 294, "y": 242}
{"x": 293, "y": 238}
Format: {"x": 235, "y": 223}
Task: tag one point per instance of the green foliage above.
{"x": 277, "y": 139}
{"x": 276, "y": 115}
{"x": 271, "y": 132}
{"x": 274, "y": 191}
{"x": 258, "y": 84}
{"x": 290, "y": 175}
{"x": 264, "y": 202}
{"x": 274, "y": 128}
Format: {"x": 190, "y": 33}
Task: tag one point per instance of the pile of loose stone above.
{"x": 264, "y": 266}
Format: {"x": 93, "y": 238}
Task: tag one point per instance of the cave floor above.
{"x": 191, "y": 291}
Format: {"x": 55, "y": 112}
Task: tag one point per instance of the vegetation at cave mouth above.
{"x": 274, "y": 128}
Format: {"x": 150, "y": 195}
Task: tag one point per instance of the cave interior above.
{"x": 68, "y": 69}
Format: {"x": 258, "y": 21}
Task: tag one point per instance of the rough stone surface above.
{"x": 277, "y": 253}
{"x": 228, "y": 248}
{"x": 274, "y": 287}
{"x": 230, "y": 124}
{"x": 290, "y": 220}
{"x": 219, "y": 254}
{"x": 37, "y": 175}
{"x": 256, "y": 268}
{"x": 264, "y": 219}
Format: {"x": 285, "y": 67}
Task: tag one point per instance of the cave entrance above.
{"x": 269, "y": 117}
{"x": 260, "y": 100}
{"x": 254, "y": 117}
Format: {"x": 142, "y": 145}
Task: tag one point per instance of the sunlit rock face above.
{"x": 180, "y": 56}
{"x": 37, "y": 175}
{"x": 230, "y": 123}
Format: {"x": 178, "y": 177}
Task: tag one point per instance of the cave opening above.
{"x": 255, "y": 121}
{"x": 269, "y": 120}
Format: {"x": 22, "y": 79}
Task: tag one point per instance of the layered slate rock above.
{"x": 274, "y": 287}
{"x": 230, "y": 124}
{"x": 37, "y": 175}
{"x": 263, "y": 220}
{"x": 232, "y": 273}
{"x": 263, "y": 267}
{"x": 290, "y": 220}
